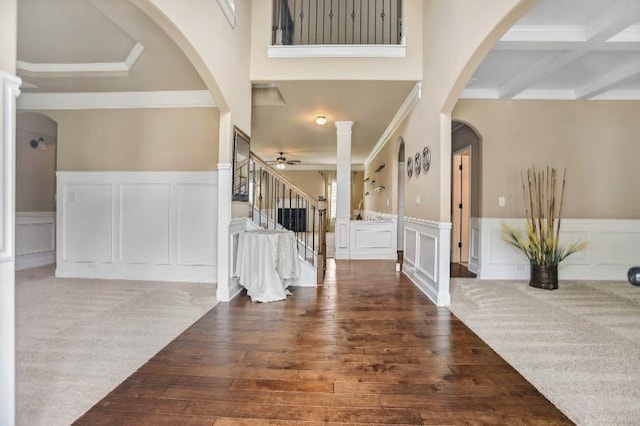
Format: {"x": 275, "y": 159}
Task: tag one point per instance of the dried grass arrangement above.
{"x": 541, "y": 244}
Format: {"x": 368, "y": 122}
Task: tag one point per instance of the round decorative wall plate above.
{"x": 409, "y": 166}
{"x": 417, "y": 163}
{"x": 426, "y": 159}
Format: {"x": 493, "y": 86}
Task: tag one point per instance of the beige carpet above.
{"x": 579, "y": 345}
{"x": 77, "y": 339}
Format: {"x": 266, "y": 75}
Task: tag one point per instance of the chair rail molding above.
{"x": 427, "y": 246}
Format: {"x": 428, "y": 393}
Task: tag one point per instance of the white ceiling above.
{"x": 562, "y": 49}
{"x": 565, "y": 49}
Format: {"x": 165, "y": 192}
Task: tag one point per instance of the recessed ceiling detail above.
{"x": 554, "y": 52}
{"x": 91, "y": 69}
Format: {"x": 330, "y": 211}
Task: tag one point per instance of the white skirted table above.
{"x": 267, "y": 264}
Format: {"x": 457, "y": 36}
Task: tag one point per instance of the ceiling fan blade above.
{"x": 293, "y": 161}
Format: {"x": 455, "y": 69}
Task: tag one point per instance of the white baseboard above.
{"x": 168, "y": 273}
{"x": 613, "y": 247}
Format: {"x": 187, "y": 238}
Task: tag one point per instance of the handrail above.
{"x": 276, "y": 202}
{"x": 284, "y": 179}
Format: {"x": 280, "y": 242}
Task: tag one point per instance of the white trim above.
{"x": 427, "y": 265}
{"x": 34, "y": 260}
{"x": 321, "y": 167}
{"x": 545, "y": 33}
{"x": 85, "y": 69}
{"x": 228, "y": 8}
{"x": 628, "y": 35}
{"x": 9, "y": 90}
{"x": 411, "y": 100}
{"x": 91, "y": 202}
{"x": 611, "y": 249}
{"x": 338, "y": 51}
{"x": 563, "y": 95}
{"x": 116, "y": 100}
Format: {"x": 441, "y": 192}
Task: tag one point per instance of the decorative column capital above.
{"x": 344, "y": 125}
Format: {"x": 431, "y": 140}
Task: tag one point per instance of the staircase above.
{"x": 278, "y": 203}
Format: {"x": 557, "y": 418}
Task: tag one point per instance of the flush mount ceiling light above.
{"x": 321, "y": 120}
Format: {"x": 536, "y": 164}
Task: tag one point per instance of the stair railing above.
{"x": 278, "y": 203}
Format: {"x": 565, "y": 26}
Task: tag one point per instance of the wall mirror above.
{"x": 241, "y": 149}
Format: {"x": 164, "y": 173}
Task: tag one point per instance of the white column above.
{"x": 343, "y": 183}
{"x": 9, "y": 89}
{"x": 224, "y": 242}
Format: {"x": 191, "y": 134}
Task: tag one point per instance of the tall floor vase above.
{"x": 544, "y": 277}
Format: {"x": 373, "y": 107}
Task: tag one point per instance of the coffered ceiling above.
{"x": 565, "y": 49}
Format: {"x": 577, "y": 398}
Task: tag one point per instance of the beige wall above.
{"x": 310, "y": 181}
{"x": 8, "y": 38}
{"x": 456, "y": 36}
{"x": 264, "y": 69}
{"x": 597, "y": 141}
{"x": 388, "y": 155}
{"x": 173, "y": 139}
{"x": 357, "y": 193}
{"x": 35, "y": 168}
{"x": 219, "y": 53}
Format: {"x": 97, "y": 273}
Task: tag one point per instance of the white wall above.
{"x": 137, "y": 225}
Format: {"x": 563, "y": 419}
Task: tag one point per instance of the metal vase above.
{"x": 544, "y": 276}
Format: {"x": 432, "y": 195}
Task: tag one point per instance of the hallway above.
{"x": 367, "y": 347}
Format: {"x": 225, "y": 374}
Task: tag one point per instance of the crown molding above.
{"x": 89, "y": 69}
{"x": 228, "y": 9}
{"x": 412, "y": 99}
{"x": 116, "y": 100}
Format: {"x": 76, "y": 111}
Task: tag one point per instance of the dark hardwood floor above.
{"x": 367, "y": 347}
{"x": 460, "y": 270}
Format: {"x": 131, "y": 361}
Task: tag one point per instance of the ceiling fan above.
{"x": 281, "y": 162}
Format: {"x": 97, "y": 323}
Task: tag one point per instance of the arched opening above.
{"x": 36, "y": 164}
{"x": 465, "y": 198}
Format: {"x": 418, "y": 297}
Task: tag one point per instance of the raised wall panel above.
{"x": 88, "y": 220}
{"x": 159, "y": 226}
{"x": 144, "y": 224}
{"x": 428, "y": 260}
{"x": 427, "y": 254}
{"x": 197, "y": 235}
{"x": 612, "y": 247}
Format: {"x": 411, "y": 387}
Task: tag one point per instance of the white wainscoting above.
{"x": 137, "y": 225}
{"x": 374, "y": 238}
{"x": 426, "y": 257}
{"x": 613, "y": 247}
{"x": 35, "y": 239}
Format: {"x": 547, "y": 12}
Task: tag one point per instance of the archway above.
{"x": 465, "y": 198}
{"x": 36, "y": 165}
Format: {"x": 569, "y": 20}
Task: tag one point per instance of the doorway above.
{"x": 461, "y": 205}
{"x": 465, "y": 197}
